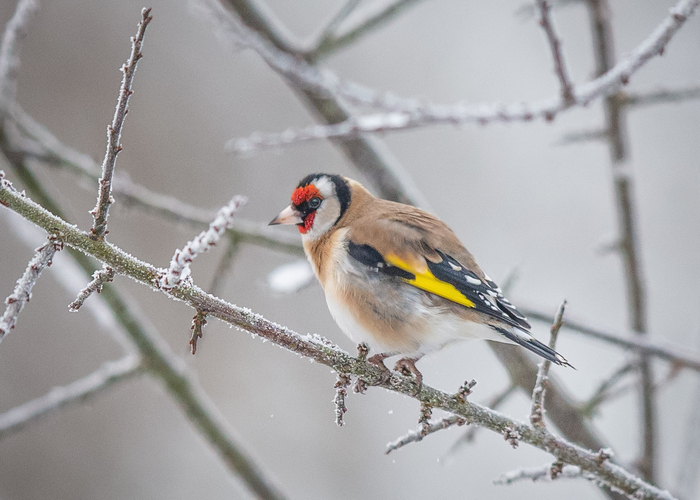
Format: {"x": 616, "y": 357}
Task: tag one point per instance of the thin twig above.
{"x": 537, "y": 408}
{"x": 23, "y": 290}
{"x": 618, "y": 141}
{"x": 530, "y": 10}
{"x": 660, "y": 96}
{"x": 105, "y": 377}
{"x": 198, "y": 322}
{"x": 589, "y": 407}
{"x": 324, "y": 352}
{"x": 582, "y": 136}
{"x": 425, "y": 430}
{"x": 223, "y": 268}
{"x": 179, "y": 265}
{"x": 114, "y": 131}
{"x": 15, "y": 31}
{"x": 405, "y": 114}
{"x": 341, "y": 391}
{"x": 327, "y": 32}
{"x": 541, "y": 474}
{"x": 625, "y": 340}
{"x": 371, "y": 17}
{"x": 603, "y": 391}
{"x": 99, "y": 278}
{"x": 494, "y": 403}
{"x": 555, "y": 45}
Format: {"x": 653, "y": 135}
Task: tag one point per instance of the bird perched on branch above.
{"x": 397, "y": 277}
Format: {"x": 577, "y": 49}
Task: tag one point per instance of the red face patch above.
{"x": 300, "y": 196}
{"x": 308, "y": 222}
{"x": 304, "y": 193}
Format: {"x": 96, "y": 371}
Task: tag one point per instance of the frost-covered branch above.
{"x": 546, "y": 473}
{"x": 555, "y": 45}
{"x": 341, "y": 390}
{"x": 114, "y": 131}
{"x": 537, "y": 408}
{"x": 23, "y": 290}
{"x": 494, "y": 403}
{"x": 99, "y": 278}
{"x": 403, "y": 114}
{"x": 76, "y": 392}
{"x": 324, "y": 352}
{"x": 425, "y": 430}
{"x": 179, "y": 268}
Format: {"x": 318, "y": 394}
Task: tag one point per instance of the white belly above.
{"x": 442, "y": 328}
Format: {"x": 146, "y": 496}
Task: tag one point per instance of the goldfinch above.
{"x": 396, "y": 277}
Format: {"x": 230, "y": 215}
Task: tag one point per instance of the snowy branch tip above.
{"x": 180, "y": 264}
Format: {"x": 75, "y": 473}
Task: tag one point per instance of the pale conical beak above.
{"x": 287, "y": 216}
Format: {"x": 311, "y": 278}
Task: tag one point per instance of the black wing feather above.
{"x": 485, "y": 294}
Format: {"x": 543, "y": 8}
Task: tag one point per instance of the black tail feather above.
{"x": 534, "y": 345}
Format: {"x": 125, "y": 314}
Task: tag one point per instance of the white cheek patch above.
{"x": 324, "y": 219}
{"x": 325, "y": 186}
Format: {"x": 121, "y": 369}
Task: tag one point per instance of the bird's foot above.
{"x": 378, "y": 361}
{"x": 407, "y": 366}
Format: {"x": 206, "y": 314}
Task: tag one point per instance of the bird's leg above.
{"x": 407, "y": 366}
{"x": 378, "y": 361}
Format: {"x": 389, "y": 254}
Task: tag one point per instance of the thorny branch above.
{"x": 23, "y": 291}
{"x": 324, "y": 352}
{"x": 114, "y": 131}
{"x": 537, "y": 409}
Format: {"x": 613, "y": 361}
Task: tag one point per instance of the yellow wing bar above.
{"x": 425, "y": 280}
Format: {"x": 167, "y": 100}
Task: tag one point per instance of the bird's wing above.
{"x": 422, "y": 251}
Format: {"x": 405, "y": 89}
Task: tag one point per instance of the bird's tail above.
{"x": 532, "y": 344}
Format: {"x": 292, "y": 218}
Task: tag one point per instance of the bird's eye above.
{"x": 314, "y": 203}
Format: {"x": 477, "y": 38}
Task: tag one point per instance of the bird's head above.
{"x": 318, "y": 203}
